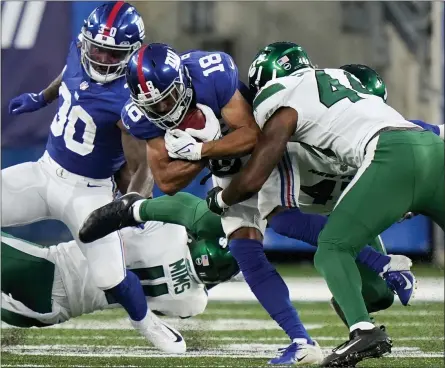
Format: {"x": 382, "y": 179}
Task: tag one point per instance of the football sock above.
{"x": 130, "y": 295}
{"x": 183, "y": 209}
{"x": 372, "y": 259}
{"x": 268, "y": 286}
{"x": 298, "y": 225}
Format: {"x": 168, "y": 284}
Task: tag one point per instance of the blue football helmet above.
{"x": 110, "y": 34}
{"x": 159, "y": 84}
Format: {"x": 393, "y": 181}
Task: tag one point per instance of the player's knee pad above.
{"x": 107, "y": 280}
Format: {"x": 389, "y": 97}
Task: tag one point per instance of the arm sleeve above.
{"x": 432, "y": 128}
{"x": 183, "y": 209}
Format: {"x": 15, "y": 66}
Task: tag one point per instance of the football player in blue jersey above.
{"x": 164, "y": 85}
{"x": 86, "y": 146}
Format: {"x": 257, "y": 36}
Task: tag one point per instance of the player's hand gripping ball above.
{"x": 199, "y": 125}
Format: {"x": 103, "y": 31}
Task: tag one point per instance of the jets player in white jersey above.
{"x": 85, "y": 149}
{"x": 45, "y": 286}
{"x": 400, "y": 168}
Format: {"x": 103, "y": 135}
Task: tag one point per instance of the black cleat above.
{"x": 109, "y": 218}
{"x": 362, "y": 344}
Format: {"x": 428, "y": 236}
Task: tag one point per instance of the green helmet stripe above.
{"x": 266, "y": 93}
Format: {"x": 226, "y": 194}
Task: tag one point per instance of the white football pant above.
{"x": 41, "y": 190}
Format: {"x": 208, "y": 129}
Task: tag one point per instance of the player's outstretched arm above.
{"x": 29, "y": 102}
{"x": 135, "y": 152}
{"x": 51, "y": 92}
{"x": 266, "y": 155}
{"x": 436, "y": 129}
{"x": 170, "y": 175}
{"x": 237, "y": 113}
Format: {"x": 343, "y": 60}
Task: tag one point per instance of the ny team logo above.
{"x": 21, "y": 23}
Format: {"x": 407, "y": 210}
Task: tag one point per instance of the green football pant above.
{"x": 375, "y": 291}
{"x": 402, "y": 171}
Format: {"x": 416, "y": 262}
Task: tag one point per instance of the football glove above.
{"x": 27, "y": 102}
{"x": 213, "y": 203}
{"x": 182, "y": 145}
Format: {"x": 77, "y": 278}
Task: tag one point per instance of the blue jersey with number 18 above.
{"x": 214, "y": 78}
{"x": 84, "y": 137}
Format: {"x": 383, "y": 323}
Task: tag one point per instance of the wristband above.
{"x": 220, "y": 201}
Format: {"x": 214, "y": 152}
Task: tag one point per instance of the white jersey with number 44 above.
{"x": 336, "y": 113}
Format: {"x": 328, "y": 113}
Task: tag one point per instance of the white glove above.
{"x": 212, "y": 130}
{"x": 182, "y": 145}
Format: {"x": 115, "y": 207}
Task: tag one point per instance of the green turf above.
{"x": 417, "y": 333}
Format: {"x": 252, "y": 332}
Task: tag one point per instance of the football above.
{"x": 194, "y": 119}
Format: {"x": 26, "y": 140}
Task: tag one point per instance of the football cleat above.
{"x": 400, "y": 279}
{"x": 109, "y": 218}
{"x": 402, "y": 283}
{"x": 160, "y": 334}
{"x": 362, "y": 344}
{"x": 299, "y": 352}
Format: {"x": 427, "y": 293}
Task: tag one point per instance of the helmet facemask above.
{"x": 102, "y": 60}
{"x": 167, "y": 109}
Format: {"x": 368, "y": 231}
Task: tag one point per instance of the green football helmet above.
{"x": 212, "y": 261}
{"x": 276, "y": 60}
{"x": 370, "y": 79}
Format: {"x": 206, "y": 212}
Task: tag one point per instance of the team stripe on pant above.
{"x": 121, "y": 241}
{"x": 287, "y": 181}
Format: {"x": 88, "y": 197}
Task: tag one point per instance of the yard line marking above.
{"x": 229, "y": 351}
{"x": 213, "y": 338}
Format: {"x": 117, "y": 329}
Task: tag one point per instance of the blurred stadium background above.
{"x": 403, "y": 41}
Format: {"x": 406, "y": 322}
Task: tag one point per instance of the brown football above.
{"x": 194, "y": 119}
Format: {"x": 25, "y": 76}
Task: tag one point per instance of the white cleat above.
{"x": 397, "y": 263}
{"x": 299, "y": 353}
{"x": 160, "y": 334}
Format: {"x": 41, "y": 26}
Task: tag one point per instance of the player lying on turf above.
{"x": 165, "y": 89}
{"x": 87, "y": 145}
{"x": 175, "y": 260}
{"x": 131, "y": 210}
{"x": 400, "y": 169}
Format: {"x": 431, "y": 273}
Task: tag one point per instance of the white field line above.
{"x": 200, "y": 325}
{"x": 190, "y": 324}
{"x": 410, "y": 312}
{"x": 315, "y": 289}
{"x": 229, "y": 351}
{"x": 214, "y": 338}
